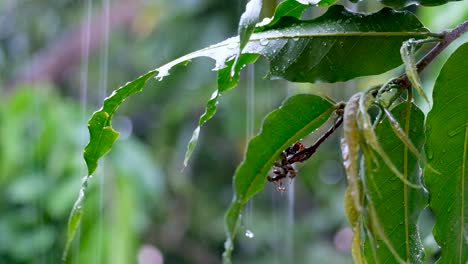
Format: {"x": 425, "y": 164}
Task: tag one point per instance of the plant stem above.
{"x": 447, "y": 38}
{"x": 306, "y": 153}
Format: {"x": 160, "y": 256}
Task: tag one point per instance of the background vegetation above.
{"x": 139, "y": 196}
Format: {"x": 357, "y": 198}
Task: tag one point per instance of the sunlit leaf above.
{"x": 397, "y": 206}
{"x": 297, "y": 117}
{"x": 447, "y": 151}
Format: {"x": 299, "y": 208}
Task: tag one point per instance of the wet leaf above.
{"x": 247, "y": 24}
{"x": 102, "y": 137}
{"x": 292, "y": 8}
{"x": 447, "y": 151}
{"x": 338, "y": 46}
{"x": 401, "y": 134}
{"x": 248, "y": 21}
{"x": 395, "y": 204}
{"x": 350, "y": 153}
{"x": 101, "y": 134}
{"x": 298, "y": 116}
{"x": 403, "y": 3}
{"x": 373, "y": 141}
{"x": 226, "y": 81}
{"x": 407, "y": 54}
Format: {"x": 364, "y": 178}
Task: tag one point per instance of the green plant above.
{"x": 385, "y": 135}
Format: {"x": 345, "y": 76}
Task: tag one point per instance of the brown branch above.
{"x": 308, "y": 152}
{"x": 447, "y": 38}
{"x": 53, "y": 61}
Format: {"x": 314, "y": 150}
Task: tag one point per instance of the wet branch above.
{"x": 447, "y": 38}
{"x": 308, "y": 152}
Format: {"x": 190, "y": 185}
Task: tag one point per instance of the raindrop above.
{"x": 295, "y": 39}
{"x": 264, "y": 42}
{"x": 249, "y": 233}
{"x": 430, "y": 154}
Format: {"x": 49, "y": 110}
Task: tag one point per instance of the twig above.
{"x": 306, "y": 153}
{"x": 447, "y": 38}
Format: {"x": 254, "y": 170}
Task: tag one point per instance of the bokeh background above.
{"x": 60, "y": 58}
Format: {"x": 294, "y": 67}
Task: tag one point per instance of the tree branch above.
{"x": 447, "y": 38}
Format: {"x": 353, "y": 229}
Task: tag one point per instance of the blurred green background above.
{"x": 58, "y": 60}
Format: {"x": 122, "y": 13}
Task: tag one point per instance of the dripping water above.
{"x": 83, "y": 97}
{"x": 289, "y": 229}
{"x": 102, "y": 90}
{"x": 249, "y": 132}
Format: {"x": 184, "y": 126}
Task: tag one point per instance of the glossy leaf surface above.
{"x": 447, "y": 151}
{"x": 403, "y": 3}
{"x": 102, "y": 135}
{"x": 397, "y": 205}
{"x": 299, "y": 116}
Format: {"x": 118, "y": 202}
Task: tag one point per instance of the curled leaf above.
{"x": 407, "y": 54}
{"x": 372, "y": 140}
{"x": 405, "y": 139}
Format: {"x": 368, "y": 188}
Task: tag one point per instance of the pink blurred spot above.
{"x": 149, "y": 254}
{"x": 343, "y": 239}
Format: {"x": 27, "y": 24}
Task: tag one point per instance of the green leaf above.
{"x": 248, "y": 20}
{"x": 226, "y": 81}
{"x": 338, "y": 46}
{"x": 247, "y": 24}
{"x": 373, "y": 141}
{"x": 292, "y": 8}
{"x": 102, "y": 137}
{"x": 403, "y": 3}
{"x": 447, "y": 151}
{"x": 350, "y": 153}
{"x": 407, "y": 54}
{"x": 297, "y": 117}
{"x": 101, "y": 134}
{"x": 395, "y": 204}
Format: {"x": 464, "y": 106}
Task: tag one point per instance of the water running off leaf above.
{"x": 297, "y": 117}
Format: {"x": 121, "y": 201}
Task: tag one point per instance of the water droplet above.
{"x": 264, "y": 42}
{"x": 444, "y": 150}
{"x": 281, "y": 189}
{"x": 295, "y": 39}
{"x": 249, "y": 233}
{"x": 430, "y": 154}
